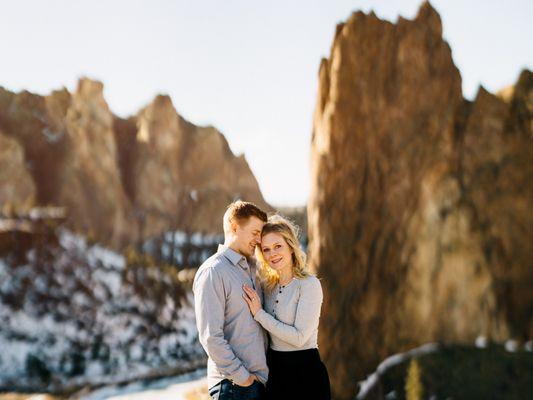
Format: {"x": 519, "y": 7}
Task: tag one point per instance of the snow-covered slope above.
{"x": 74, "y": 314}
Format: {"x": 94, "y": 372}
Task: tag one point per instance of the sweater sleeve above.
{"x": 307, "y": 316}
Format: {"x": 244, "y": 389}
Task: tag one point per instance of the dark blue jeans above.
{"x": 226, "y": 390}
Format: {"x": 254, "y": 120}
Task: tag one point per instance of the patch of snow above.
{"x": 197, "y": 239}
{"x": 14, "y": 355}
{"x": 106, "y": 257}
{"x": 511, "y": 346}
{"x": 94, "y": 369}
{"x": 136, "y": 352}
{"x": 481, "y": 342}
{"x": 81, "y": 299}
{"x": 99, "y": 293}
{"x": 69, "y": 240}
{"x": 186, "y": 320}
{"x": 167, "y": 311}
{"x": 5, "y": 284}
{"x": 194, "y": 195}
{"x": 368, "y": 384}
{"x": 41, "y": 283}
{"x": 111, "y": 279}
{"x": 165, "y": 249}
{"x": 51, "y": 136}
{"x": 180, "y": 237}
{"x": 391, "y": 396}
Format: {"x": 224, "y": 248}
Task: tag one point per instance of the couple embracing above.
{"x": 257, "y": 312}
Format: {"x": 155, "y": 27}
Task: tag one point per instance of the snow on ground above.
{"x": 74, "y": 314}
{"x": 368, "y": 384}
{"x": 174, "y": 388}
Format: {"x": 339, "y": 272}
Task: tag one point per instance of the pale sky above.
{"x": 247, "y": 67}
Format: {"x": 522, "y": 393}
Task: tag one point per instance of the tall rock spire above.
{"x": 407, "y": 225}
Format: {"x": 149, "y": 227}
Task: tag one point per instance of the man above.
{"x": 234, "y": 342}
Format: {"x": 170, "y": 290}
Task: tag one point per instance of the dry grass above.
{"x": 199, "y": 393}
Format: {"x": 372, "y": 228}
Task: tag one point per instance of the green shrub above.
{"x": 36, "y": 368}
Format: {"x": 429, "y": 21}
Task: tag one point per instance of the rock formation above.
{"x": 191, "y": 168}
{"x": 121, "y": 180}
{"x": 16, "y": 184}
{"x": 419, "y": 218}
{"x": 91, "y": 188}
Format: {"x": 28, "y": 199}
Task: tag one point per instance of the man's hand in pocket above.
{"x": 249, "y": 381}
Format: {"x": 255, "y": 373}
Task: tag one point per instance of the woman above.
{"x": 291, "y": 312}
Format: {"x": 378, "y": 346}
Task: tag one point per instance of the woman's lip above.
{"x": 277, "y": 261}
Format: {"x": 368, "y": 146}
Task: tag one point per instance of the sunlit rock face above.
{"x": 420, "y": 217}
{"x": 91, "y": 188}
{"x": 223, "y": 178}
{"x": 16, "y": 184}
{"x": 70, "y": 152}
{"x": 37, "y": 124}
{"x": 182, "y": 175}
{"x": 121, "y": 181}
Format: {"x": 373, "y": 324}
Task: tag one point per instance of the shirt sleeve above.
{"x": 209, "y": 307}
{"x": 307, "y": 316}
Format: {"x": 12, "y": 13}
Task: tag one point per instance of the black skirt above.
{"x": 296, "y": 375}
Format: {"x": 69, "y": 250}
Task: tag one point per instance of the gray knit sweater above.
{"x": 291, "y": 314}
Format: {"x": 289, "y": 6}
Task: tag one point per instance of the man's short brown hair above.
{"x": 241, "y": 211}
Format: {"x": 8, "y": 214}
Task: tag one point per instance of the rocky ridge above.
{"x": 122, "y": 181}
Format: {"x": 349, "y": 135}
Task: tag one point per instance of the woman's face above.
{"x": 276, "y": 251}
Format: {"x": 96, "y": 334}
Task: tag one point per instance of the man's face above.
{"x": 248, "y": 235}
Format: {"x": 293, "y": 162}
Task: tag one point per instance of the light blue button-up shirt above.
{"x": 234, "y": 342}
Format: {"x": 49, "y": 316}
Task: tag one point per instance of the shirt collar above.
{"x": 233, "y": 257}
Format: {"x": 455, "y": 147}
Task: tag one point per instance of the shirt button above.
{"x": 277, "y": 301}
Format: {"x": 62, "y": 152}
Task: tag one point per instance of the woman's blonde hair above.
{"x": 289, "y": 232}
